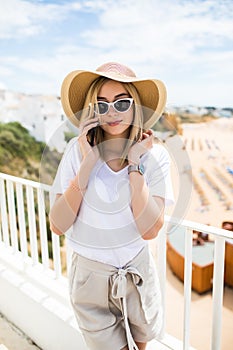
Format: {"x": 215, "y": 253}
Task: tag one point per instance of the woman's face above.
{"x": 115, "y": 123}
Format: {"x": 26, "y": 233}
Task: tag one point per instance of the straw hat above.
{"x": 76, "y": 84}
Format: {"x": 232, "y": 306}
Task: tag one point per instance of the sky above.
{"x": 186, "y": 44}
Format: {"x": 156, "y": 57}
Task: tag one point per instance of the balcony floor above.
{"x": 11, "y": 338}
{"x": 14, "y": 339}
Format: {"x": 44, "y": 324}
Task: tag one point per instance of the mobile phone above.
{"x": 91, "y": 136}
{"x": 91, "y": 133}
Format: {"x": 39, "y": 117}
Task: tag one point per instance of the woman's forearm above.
{"x": 66, "y": 207}
{"x": 148, "y": 211}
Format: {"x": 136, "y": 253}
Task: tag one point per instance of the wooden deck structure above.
{"x": 203, "y": 259}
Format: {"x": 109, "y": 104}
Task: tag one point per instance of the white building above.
{"x": 41, "y": 115}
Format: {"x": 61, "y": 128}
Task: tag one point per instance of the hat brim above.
{"x": 76, "y": 84}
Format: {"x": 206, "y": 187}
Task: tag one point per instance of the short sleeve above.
{"x": 158, "y": 173}
{"x": 67, "y": 169}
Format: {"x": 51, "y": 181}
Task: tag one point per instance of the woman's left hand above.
{"x": 140, "y": 147}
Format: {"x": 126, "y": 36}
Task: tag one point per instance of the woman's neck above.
{"x": 114, "y": 145}
{"x": 113, "y": 148}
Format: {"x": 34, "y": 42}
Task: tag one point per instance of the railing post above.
{"x": 56, "y": 255}
{"x": 12, "y": 215}
{"x": 161, "y": 261}
{"x": 219, "y": 253}
{"x": 5, "y": 228}
{"x": 187, "y": 287}
{"x": 21, "y": 220}
{"x": 32, "y": 224}
{"x": 43, "y": 228}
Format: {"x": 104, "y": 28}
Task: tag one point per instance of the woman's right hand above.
{"x": 89, "y": 153}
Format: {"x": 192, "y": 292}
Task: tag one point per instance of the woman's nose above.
{"x": 112, "y": 111}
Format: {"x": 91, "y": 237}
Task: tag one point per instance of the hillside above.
{"x": 21, "y": 153}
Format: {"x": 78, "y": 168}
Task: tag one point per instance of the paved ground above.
{"x": 11, "y": 338}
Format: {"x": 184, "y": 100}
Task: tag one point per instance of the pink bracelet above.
{"x": 76, "y": 188}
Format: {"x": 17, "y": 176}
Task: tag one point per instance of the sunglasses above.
{"x": 121, "y": 106}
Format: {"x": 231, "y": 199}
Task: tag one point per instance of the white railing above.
{"x": 220, "y": 237}
{"x": 24, "y": 230}
{"x": 24, "y": 206}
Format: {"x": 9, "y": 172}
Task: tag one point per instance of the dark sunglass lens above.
{"x": 102, "y": 107}
{"x": 122, "y": 105}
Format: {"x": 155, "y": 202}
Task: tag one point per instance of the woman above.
{"x": 111, "y": 188}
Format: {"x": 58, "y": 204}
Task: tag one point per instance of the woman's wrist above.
{"x": 74, "y": 184}
{"x": 133, "y": 160}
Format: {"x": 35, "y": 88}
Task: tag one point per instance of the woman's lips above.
{"x": 115, "y": 123}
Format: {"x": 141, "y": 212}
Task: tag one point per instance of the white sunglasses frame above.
{"x": 109, "y": 104}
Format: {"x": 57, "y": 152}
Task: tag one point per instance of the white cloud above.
{"x": 90, "y": 5}
{"x": 20, "y": 18}
{"x": 185, "y": 43}
{"x": 5, "y": 71}
{"x": 28, "y": 18}
{"x": 169, "y": 27}
{"x": 3, "y": 86}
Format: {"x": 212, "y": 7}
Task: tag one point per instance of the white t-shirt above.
{"x": 105, "y": 229}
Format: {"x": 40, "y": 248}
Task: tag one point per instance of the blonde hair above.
{"x": 136, "y": 128}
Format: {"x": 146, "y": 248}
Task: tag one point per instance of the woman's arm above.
{"x": 66, "y": 207}
{"x": 148, "y": 210}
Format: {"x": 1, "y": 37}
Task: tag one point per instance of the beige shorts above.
{"x": 104, "y": 298}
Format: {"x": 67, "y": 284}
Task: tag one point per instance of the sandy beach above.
{"x": 203, "y": 152}
{"x": 202, "y": 155}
